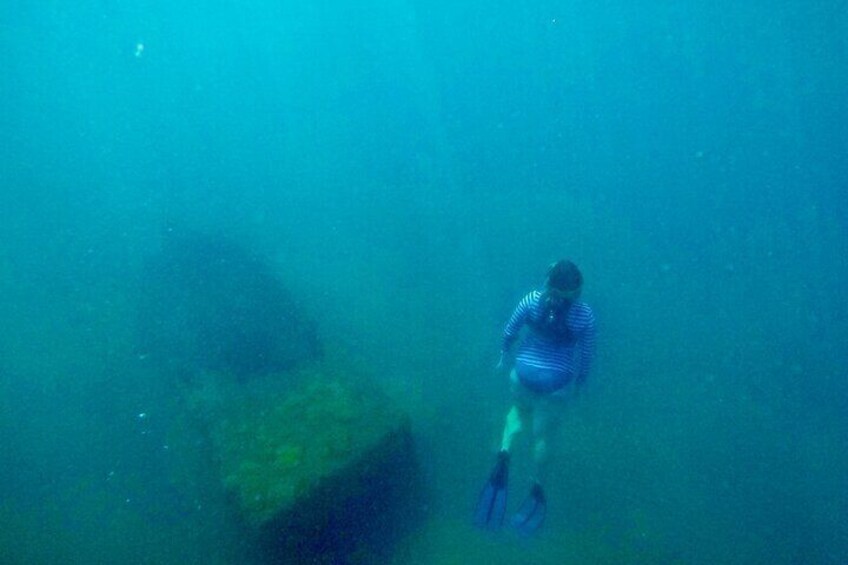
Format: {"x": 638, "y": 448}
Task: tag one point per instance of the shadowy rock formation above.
{"x": 208, "y": 304}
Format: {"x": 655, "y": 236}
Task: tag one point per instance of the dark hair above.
{"x": 564, "y": 275}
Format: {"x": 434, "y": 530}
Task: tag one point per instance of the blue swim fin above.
{"x": 531, "y": 514}
{"x": 491, "y": 506}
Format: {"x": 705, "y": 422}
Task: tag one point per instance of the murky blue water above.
{"x": 408, "y": 170}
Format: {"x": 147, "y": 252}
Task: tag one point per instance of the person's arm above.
{"x": 514, "y": 325}
{"x": 586, "y": 346}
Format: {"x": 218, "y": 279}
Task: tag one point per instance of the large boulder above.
{"x": 208, "y": 304}
{"x": 324, "y": 473}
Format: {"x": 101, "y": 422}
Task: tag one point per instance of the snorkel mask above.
{"x": 562, "y": 287}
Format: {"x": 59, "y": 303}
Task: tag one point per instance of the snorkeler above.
{"x": 551, "y": 364}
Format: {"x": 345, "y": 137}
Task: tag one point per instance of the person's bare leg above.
{"x": 517, "y": 415}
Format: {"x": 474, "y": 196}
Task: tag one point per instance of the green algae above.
{"x": 273, "y": 443}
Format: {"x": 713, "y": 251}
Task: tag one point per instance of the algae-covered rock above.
{"x": 315, "y": 471}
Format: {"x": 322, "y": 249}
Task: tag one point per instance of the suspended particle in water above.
{"x": 139, "y": 50}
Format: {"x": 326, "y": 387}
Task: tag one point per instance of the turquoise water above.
{"x": 408, "y": 169}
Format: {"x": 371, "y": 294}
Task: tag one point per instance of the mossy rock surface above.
{"x": 276, "y": 444}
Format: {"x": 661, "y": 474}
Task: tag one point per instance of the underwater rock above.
{"x": 207, "y": 304}
{"x": 354, "y": 514}
{"x": 325, "y": 473}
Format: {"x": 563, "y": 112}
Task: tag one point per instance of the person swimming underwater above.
{"x": 552, "y": 362}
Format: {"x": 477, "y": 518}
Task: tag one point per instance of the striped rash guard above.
{"x": 548, "y": 360}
